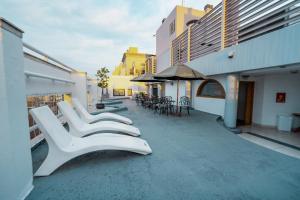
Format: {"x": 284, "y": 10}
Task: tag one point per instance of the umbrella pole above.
{"x": 177, "y": 97}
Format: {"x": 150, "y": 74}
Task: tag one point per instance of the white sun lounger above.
{"x": 63, "y": 146}
{"x": 80, "y": 128}
{"x": 88, "y": 118}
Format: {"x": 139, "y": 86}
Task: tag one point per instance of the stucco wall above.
{"x": 210, "y": 105}
{"x": 163, "y": 39}
{"x": 266, "y": 109}
{"x": 15, "y": 154}
{"x": 41, "y": 86}
{"x": 163, "y": 61}
{"x": 265, "y": 51}
{"x": 79, "y": 89}
{"x": 171, "y": 90}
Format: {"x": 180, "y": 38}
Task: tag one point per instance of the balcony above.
{"x": 232, "y": 24}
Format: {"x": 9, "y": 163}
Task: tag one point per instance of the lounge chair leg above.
{"x": 54, "y": 159}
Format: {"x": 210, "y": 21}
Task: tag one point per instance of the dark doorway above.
{"x": 154, "y": 91}
{"x": 245, "y": 103}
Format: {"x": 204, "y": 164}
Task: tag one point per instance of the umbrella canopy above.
{"x": 180, "y": 72}
{"x": 147, "y": 77}
{"x": 136, "y": 79}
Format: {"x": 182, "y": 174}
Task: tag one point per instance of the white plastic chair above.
{"x": 88, "y": 118}
{"x": 80, "y": 128}
{"x": 63, "y": 146}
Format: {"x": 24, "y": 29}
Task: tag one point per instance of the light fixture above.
{"x": 231, "y": 54}
{"x": 245, "y": 76}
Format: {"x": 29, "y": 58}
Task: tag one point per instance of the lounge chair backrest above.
{"x": 80, "y": 109}
{"x": 50, "y": 126}
{"x": 70, "y": 114}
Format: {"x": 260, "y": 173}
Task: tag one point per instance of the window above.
{"x": 129, "y": 92}
{"x": 119, "y": 92}
{"x": 172, "y": 28}
{"x": 212, "y": 89}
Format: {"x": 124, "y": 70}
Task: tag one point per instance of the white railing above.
{"x": 45, "y": 57}
{"x": 232, "y": 23}
{"x": 53, "y": 78}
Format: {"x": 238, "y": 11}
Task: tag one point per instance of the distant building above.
{"x": 171, "y": 27}
{"x": 151, "y": 64}
{"x": 133, "y": 64}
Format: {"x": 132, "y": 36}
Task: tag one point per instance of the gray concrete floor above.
{"x": 193, "y": 158}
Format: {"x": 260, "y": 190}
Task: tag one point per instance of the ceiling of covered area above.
{"x": 286, "y": 69}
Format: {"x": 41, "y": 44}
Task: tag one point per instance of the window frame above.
{"x": 172, "y": 27}
{"x": 204, "y": 83}
{"x": 117, "y": 94}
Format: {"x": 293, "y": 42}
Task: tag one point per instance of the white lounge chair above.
{"x": 63, "y": 146}
{"x": 88, "y": 118}
{"x": 80, "y": 128}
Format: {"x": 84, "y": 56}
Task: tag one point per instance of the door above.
{"x": 245, "y": 103}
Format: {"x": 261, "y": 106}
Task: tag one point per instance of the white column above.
{"x": 79, "y": 89}
{"x": 15, "y": 154}
{"x": 159, "y": 90}
{"x": 231, "y": 101}
{"x": 150, "y": 90}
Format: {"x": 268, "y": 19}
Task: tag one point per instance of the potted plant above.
{"x": 102, "y": 78}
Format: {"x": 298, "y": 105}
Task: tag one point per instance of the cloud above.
{"x": 91, "y": 33}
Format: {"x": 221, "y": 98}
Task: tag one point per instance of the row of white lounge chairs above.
{"x": 81, "y": 138}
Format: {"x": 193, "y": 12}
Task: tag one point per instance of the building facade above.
{"x": 250, "y": 58}
{"x": 133, "y": 64}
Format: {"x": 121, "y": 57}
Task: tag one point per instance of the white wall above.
{"x": 265, "y": 108}
{"x": 210, "y": 105}
{"x": 205, "y": 104}
{"x": 39, "y": 86}
{"x": 163, "y": 61}
{"x": 171, "y": 90}
{"x": 163, "y": 39}
{"x": 258, "y": 100}
{"x": 15, "y": 155}
{"x": 79, "y": 89}
{"x": 92, "y": 89}
{"x": 277, "y": 48}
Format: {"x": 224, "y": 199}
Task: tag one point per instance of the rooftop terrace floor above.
{"x": 193, "y": 157}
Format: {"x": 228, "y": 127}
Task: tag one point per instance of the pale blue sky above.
{"x": 91, "y": 33}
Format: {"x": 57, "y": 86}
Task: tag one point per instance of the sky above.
{"x": 90, "y": 34}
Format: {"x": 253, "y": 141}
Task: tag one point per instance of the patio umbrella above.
{"x": 146, "y": 77}
{"x": 179, "y": 72}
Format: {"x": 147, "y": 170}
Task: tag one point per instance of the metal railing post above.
{"x": 171, "y": 54}
{"x": 189, "y": 45}
{"x": 223, "y": 24}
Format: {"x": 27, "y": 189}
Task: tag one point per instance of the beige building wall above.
{"x": 164, "y": 36}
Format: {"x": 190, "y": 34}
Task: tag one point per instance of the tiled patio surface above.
{"x": 193, "y": 158}
{"x": 292, "y": 138}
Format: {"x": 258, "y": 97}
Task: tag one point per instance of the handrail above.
{"x": 243, "y": 20}
{"x": 38, "y": 75}
{"x": 58, "y": 63}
